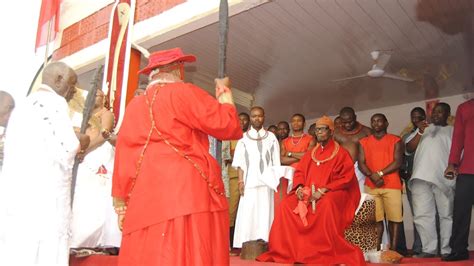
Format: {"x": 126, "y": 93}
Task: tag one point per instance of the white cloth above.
{"x": 2, "y": 143}
{"x": 35, "y": 185}
{"x": 363, "y": 197}
{"x": 271, "y": 176}
{"x": 360, "y": 176}
{"x": 430, "y": 190}
{"x": 254, "y": 215}
{"x": 431, "y": 157}
{"x": 255, "y": 212}
{"x": 248, "y": 157}
{"x": 94, "y": 222}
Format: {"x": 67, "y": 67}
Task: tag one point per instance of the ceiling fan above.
{"x": 380, "y": 61}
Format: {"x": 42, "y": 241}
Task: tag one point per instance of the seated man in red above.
{"x": 309, "y": 225}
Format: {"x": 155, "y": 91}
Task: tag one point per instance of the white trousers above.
{"x": 427, "y": 200}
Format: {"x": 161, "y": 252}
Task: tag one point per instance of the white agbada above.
{"x": 255, "y": 212}
{"x": 431, "y": 191}
{"x": 35, "y": 185}
{"x": 94, "y": 222}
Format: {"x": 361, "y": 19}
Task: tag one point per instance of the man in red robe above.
{"x": 304, "y": 232}
{"x": 167, "y": 188}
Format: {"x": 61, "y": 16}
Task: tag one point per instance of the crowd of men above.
{"x": 297, "y": 191}
{"x": 423, "y": 161}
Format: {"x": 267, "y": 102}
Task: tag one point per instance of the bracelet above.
{"x": 321, "y": 191}
{"x": 380, "y": 173}
{"x": 419, "y": 133}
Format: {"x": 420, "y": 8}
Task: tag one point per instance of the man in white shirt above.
{"x": 255, "y": 152}
{"x": 35, "y": 186}
{"x": 431, "y": 192}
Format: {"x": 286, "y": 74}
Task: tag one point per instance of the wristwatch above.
{"x": 289, "y": 154}
{"x": 380, "y": 173}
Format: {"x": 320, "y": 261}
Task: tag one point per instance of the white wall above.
{"x": 73, "y": 11}
{"x": 399, "y": 116}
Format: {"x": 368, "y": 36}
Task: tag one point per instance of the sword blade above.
{"x": 221, "y": 67}
{"x": 223, "y": 32}
{"x": 86, "y": 115}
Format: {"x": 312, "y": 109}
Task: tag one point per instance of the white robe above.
{"x": 35, "y": 184}
{"x": 94, "y": 222}
{"x": 255, "y": 212}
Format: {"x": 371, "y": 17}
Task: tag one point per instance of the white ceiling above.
{"x": 286, "y": 52}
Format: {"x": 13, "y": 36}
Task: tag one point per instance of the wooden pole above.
{"x": 48, "y": 39}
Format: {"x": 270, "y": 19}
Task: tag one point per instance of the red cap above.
{"x": 165, "y": 57}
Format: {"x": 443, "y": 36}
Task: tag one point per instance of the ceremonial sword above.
{"x": 86, "y": 115}
{"x": 221, "y": 68}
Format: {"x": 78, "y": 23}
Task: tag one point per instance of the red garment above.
{"x": 168, "y": 186}
{"x": 291, "y": 144}
{"x": 463, "y": 138}
{"x": 297, "y": 144}
{"x": 49, "y": 13}
{"x": 322, "y": 240}
{"x": 187, "y": 240}
{"x": 379, "y": 153}
{"x": 302, "y": 207}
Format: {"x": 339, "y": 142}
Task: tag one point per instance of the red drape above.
{"x": 50, "y": 10}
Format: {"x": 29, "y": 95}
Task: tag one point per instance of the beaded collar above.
{"x": 299, "y": 140}
{"x": 256, "y": 139}
{"x": 334, "y": 153}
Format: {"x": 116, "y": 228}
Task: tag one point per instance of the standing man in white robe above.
{"x": 35, "y": 186}
{"x": 255, "y": 152}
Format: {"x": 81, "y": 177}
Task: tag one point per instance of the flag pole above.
{"x": 47, "y": 43}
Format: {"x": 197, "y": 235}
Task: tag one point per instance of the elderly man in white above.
{"x": 35, "y": 186}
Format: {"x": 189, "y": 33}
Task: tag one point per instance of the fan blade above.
{"x": 397, "y": 77}
{"x": 382, "y": 60}
{"x": 350, "y": 78}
